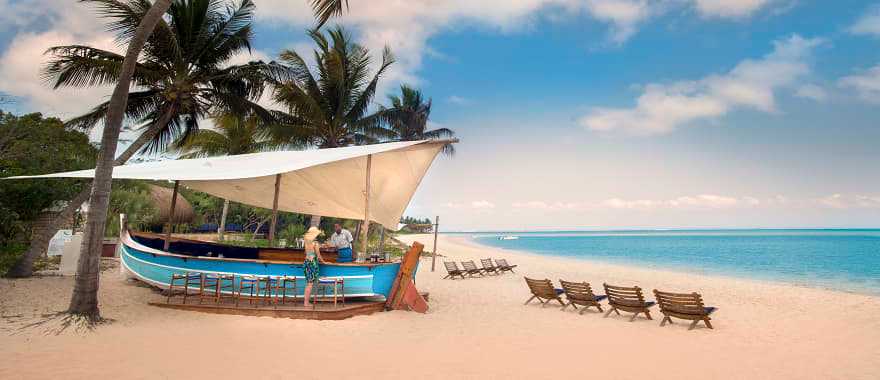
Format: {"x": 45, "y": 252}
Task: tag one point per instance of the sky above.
{"x": 589, "y": 114}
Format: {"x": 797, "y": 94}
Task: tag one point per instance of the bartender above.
{"x": 341, "y": 240}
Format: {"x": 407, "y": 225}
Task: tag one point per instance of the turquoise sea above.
{"x": 847, "y": 260}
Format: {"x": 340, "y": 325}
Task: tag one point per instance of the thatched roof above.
{"x": 161, "y": 196}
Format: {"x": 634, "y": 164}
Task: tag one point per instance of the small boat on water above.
{"x": 508, "y": 237}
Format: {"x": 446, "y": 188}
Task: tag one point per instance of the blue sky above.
{"x": 597, "y": 113}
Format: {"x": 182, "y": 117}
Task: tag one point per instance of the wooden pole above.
{"x": 171, "y": 216}
{"x": 365, "y": 230}
{"x": 434, "y": 252}
{"x": 274, "y": 223}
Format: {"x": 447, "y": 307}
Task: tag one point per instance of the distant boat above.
{"x": 508, "y": 237}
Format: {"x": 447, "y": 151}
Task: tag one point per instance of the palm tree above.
{"x": 329, "y": 109}
{"x": 408, "y": 117}
{"x": 234, "y": 135}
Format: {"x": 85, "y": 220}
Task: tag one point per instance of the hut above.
{"x": 161, "y": 198}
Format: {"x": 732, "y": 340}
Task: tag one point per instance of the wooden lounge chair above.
{"x": 580, "y": 293}
{"x": 471, "y": 268}
{"x": 627, "y": 299}
{"x": 684, "y": 306}
{"x": 488, "y": 267}
{"x": 543, "y": 291}
{"x": 453, "y": 271}
{"x": 503, "y": 266}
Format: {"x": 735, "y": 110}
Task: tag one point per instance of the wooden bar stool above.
{"x": 282, "y": 286}
{"x": 327, "y": 283}
{"x": 188, "y": 278}
{"x": 213, "y": 285}
{"x": 249, "y": 282}
{"x": 268, "y": 288}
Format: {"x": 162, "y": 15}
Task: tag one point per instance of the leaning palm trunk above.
{"x": 40, "y": 239}
{"x": 315, "y": 221}
{"x": 222, "y": 229}
{"x": 84, "y": 300}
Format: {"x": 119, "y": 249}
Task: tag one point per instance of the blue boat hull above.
{"x": 156, "y": 268}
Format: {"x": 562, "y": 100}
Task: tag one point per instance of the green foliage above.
{"x": 131, "y": 198}
{"x": 29, "y": 145}
{"x": 330, "y": 108}
{"x": 292, "y": 232}
{"x": 407, "y": 118}
{"x": 183, "y": 70}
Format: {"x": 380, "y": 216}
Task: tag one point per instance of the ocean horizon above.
{"x": 843, "y": 259}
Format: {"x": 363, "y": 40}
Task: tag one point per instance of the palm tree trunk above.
{"x": 24, "y": 267}
{"x": 222, "y": 228}
{"x": 84, "y": 300}
{"x": 315, "y": 221}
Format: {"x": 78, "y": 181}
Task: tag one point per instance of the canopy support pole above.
{"x": 171, "y": 216}
{"x": 434, "y": 252}
{"x": 365, "y": 230}
{"x": 274, "y": 211}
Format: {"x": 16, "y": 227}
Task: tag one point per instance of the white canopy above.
{"x": 326, "y": 182}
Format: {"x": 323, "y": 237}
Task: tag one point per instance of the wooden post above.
{"x": 434, "y": 252}
{"x": 171, "y": 216}
{"x": 274, "y": 223}
{"x": 365, "y": 230}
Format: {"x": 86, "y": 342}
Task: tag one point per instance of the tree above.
{"x": 32, "y": 144}
{"x": 182, "y": 76}
{"x": 329, "y": 109}
{"x": 234, "y": 135}
{"x": 408, "y": 117}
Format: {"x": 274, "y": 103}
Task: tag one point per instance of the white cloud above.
{"x": 729, "y": 8}
{"x": 406, "y": 26}
{"x": 841, "y": 201}
{"x": 866, "y": 84}
{"x": 661, "y": 108}
{"x": 476, "y": 205}
{"x": 703, "y": 201}
{"x": 20, "y": 64}
{"x": 812, "y": 91}
{"x": 458, "y": 100}
{"x": 868, "y": 24}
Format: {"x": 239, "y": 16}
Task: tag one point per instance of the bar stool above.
{"x": 250, "y": 282}
{"x": 326, "y": 283}
{"x": 188, "y": 278}
{"x": 216, "y": 283}
{"x": 265, "y": 286}
{"x": 282, "y": 287}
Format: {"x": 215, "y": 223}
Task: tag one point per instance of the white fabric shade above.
{"x": 326, "y": 182}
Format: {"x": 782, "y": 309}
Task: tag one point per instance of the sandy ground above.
{"x": 476, "y": 328}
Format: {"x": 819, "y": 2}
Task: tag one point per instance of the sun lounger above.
{"x": 453, "y": 271}
{"x": 627, "y": 299}
{"x": 543, "y": 291}
{"x": 471, "y": 268}
{"x": 503, "y": 266}
{"x": 488, "y": 267}
{"x": 685, "y": 306}
{"x": 580, "y": 293}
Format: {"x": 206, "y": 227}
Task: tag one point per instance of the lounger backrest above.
{"x": 624, "y": 296}
{"x": 487, "y": 263}
{"x": 542, "y": 288}
{"x": 578, "y": 290}
{"x": 451, "y": 266}
{"x": 469, "y": 265}
{"x": 501, "y": 262}
{"x": 681, "y": 303}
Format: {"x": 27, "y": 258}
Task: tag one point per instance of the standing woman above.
{"x": 310, "y": 265}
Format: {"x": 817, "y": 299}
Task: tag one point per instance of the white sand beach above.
{"x": 476, "y": 328}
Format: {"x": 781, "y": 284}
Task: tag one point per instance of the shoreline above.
{"x": 761, "y": 331}
{"x": 866, "y": 291}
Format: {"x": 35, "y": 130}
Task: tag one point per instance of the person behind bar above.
{"x": 341, "y": 240}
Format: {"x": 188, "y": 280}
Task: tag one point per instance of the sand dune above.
{"x": 476, "y": 328}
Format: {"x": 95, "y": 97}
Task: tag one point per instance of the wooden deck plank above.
{"x": 321, "y": 312}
